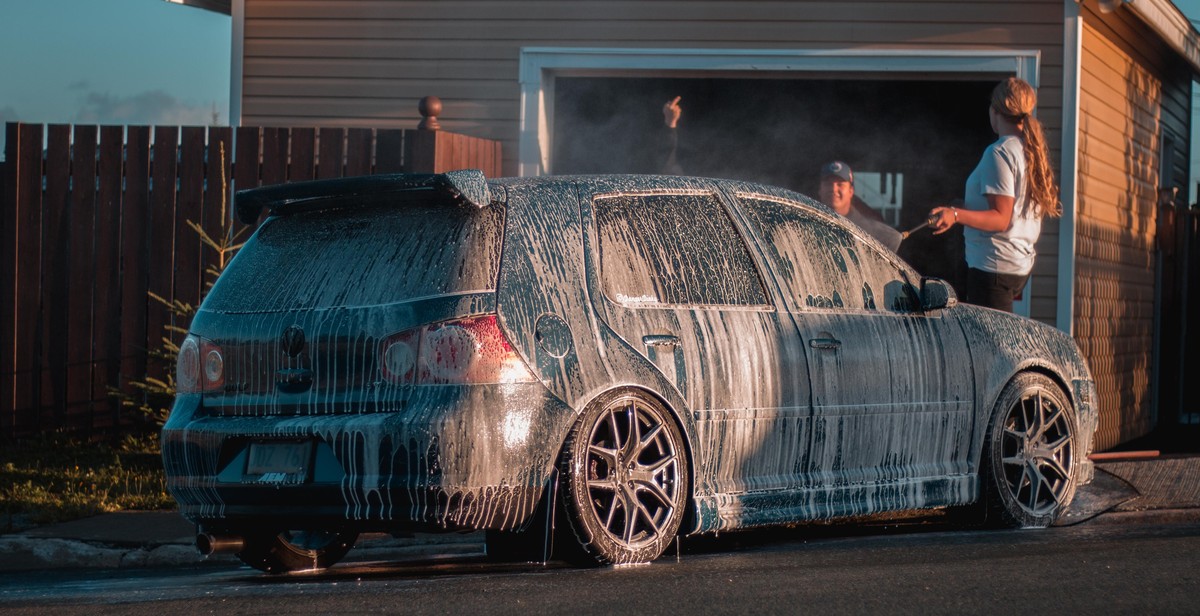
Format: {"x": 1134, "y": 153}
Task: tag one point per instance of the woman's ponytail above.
{"x": 1015, "y": 99}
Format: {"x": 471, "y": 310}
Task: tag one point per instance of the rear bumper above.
{"x": 469, "y": 457}
{"x": 272, "y": 510}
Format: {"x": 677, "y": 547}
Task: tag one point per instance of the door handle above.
{"x": 663, "y": 359}
{"x": 660, "y": 340}
{"x": 825, "y": 343}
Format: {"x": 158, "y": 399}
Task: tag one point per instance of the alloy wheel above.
{"x": 632, "y": 473}
{"x": 1035, "y": 451}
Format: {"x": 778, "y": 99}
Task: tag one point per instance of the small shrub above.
{"x": 151, "y": 397}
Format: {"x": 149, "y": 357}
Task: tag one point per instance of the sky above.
{"x": 112, "y": 62}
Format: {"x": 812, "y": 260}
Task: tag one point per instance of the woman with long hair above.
{"x": 1007, "y": 195}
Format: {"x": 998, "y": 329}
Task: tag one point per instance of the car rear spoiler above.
{"x": 466, "y": 186}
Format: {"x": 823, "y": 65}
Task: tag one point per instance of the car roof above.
{"x": 470, "y": 187}
{"x": 616, "y": 183}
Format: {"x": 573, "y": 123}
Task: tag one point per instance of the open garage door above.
{"x": 912, "y": 143}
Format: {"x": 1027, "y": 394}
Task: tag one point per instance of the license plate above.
{"x": 278, "y": 462}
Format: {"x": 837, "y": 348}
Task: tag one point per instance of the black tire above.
{"x": 625, "y": 478}
{"x": 297, "y": 550}
{"x": 1028, "y": 453}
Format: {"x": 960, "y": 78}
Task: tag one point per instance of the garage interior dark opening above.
{"x": 911, "y": 143}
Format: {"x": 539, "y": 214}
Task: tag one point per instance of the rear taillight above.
{"x": 462, "y": 351}
{"x": 200, "y": 367}
{"x": 398, "y": 358}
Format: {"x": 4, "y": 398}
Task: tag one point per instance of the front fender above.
{"x": 1003, "y": 345}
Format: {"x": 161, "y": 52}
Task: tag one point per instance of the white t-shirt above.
{"x": 1001, "y": 171}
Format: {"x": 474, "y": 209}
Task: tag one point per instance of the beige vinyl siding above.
{"x": 935, "y": 11}
{"x": 368, "y": 62}
{"x": 1130, "y": 93}
{"x": 360, "y": 62}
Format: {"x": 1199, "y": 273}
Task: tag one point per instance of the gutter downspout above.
{"x": 532, "y": 159}
{"x": 237, "y": 50}
{"x": 1069, "y": 182}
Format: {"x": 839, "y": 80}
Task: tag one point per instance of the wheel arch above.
{"x": 1053, "y": 375}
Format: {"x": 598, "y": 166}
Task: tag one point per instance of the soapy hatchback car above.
{"x": 617, "y": 359}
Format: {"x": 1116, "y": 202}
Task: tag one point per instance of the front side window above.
{"x": 672, "y": 250}
{"x": 825, "y": 266}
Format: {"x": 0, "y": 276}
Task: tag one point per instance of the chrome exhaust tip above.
{"x": 217, "y": 544}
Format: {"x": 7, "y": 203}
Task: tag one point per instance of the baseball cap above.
{"x": 838, "y": 169}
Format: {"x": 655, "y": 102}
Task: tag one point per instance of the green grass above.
{"x": 54, "y": 478}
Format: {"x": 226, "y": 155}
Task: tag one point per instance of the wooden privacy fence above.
{"x": 93, "y": 219}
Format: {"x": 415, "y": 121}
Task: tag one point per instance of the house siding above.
{"x": 369, "y": 62}
{"x": 1132, "y": 92}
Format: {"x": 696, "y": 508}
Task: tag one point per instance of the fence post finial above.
{"x": 430, "y": 108}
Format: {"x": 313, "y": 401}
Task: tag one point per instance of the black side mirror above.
{"x": 936, "y": 294}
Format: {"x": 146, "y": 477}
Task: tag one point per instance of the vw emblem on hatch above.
{"x": 292, "y": 341}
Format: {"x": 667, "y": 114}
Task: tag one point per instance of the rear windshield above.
{"x": 363, "y": 256}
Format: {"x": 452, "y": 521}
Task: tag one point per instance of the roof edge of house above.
{"x": 224, "y": 7}
{"x": 1164, "y": 18}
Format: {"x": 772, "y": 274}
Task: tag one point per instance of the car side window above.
{"x": 825, "y": 266}
{"x": 670, "y": 250}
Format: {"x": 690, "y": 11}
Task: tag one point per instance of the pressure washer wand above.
{"x": 904, "y": 234}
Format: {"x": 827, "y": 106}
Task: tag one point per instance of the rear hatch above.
{"x": 301, "y": 313}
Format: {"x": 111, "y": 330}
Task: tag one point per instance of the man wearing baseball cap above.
{"x": 837, "y": 191}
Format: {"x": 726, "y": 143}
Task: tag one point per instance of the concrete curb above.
{"x": 23, "y": 553}
{"x": 18, "y": 553}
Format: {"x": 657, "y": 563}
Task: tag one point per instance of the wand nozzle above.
{"x": 904, "y": 234}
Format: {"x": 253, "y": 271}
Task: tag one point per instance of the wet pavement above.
{"x": 1089, "y": 568}
{"x": 1132, "y": 489}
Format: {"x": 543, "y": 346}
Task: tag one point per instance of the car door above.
{"x": 892, "y": 385}
{"x": 675, "y": 280}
